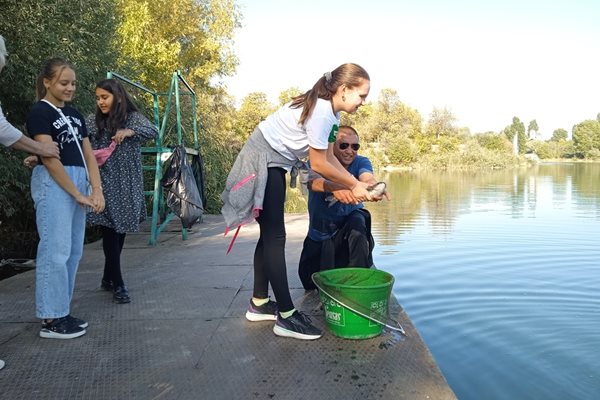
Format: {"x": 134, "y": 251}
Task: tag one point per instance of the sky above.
{"x": 485, "y": 61}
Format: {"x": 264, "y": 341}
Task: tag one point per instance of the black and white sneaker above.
{"x": 78, "y": 321}
{"x": 297, "y": 326}
{"x": 107, "y": 285}
{"x": 266, "y": 312}
{"x": 61, "y": 328}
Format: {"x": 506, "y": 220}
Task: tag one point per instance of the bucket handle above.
{"x": 359, "y": 309}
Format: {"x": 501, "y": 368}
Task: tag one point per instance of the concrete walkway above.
{"x": 184, "y": 336}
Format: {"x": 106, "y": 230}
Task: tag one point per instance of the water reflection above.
{"x": 500, "y": 273}
{"x": 440, "y": 197}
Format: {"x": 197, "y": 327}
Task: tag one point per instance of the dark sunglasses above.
{"x": 344, "y": 146}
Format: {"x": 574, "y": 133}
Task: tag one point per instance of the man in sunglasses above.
{"x": 339, "y": 234}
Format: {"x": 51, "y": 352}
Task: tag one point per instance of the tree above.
{"x": 35, "y": 31}
{"x": 494, "y": 142}
{"x": 143, "y": 40}
{"x": 533, "y": 127}
{"x": 362, "y": 121}
{"x": 388, "y": 117}
{"x": 254, "y": 108}
{"x": 155, "y": 38}
{"x": 441, "y": 123}
{"x": 516, "y": 128}
{"x": 285, "y": 96}
{"x": 586, "y": 137}
{"x": 559, "y": 134}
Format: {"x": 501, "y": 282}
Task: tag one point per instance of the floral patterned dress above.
{"x": 121, "y": 175}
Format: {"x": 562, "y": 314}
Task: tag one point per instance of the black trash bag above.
{"x": 183, "y": 197}
{"x": 198, "y": 168}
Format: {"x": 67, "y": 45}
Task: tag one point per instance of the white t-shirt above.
{"x": 290, "y": 139}
{"x": 9, "y": 135}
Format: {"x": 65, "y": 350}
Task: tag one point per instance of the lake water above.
{"x": 500, "y": 273}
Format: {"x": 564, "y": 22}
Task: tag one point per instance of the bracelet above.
{"x": 97, "y": 187}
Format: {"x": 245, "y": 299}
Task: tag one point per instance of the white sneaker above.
{"x": 61, "y": 328}
{"x": 2, "y": 364}
{"x": 297, "y": 326}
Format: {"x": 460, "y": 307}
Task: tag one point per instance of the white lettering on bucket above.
{"x": 380, "y": 307}
{"x": 333, "y": 316}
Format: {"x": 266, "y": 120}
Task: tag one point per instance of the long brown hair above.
{"x": 349, "y": 74}
{"x": 50, "y": 69}
{"x": 122, "y": 106}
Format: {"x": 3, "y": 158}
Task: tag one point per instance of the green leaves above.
{"x": 156, "y": 38}
{"x": 586, "y": 136}
{"x": 254, "y": 108}
{"x": 35, "y": 31}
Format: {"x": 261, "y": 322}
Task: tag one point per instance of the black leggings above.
{"x": 269, "y": 256}
{"x": 112, "y": 244}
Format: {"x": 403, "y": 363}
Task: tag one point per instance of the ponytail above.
{"x": 348, "y": 74}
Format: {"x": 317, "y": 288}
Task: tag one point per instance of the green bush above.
{"x": 295, "y": 200}
{"x": 553, "y": 149}
{"x": 448, "y": 144}
{"x": 494, "y": 142}
{"x": 593, "y": 154}
{"x": 218, "y": 155}
{"x": 375, "y": 154}
{"x": 17, "y": 219}
{"x": 401, "y": 150}
{"x": 472, "y": 157}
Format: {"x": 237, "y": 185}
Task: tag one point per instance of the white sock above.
{"x": 259, "y": 302}
{"x": 287, "y": 314}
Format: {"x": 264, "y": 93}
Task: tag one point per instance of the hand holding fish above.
{"x": 344, "y": 196}
{"x": 376, "y": 193}
{"x": 379, "y": 191}
{"x": 360, "y": 191}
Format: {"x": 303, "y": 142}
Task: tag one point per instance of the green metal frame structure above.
{"x": 160, "y": 214}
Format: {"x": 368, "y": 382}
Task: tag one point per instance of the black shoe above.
{"x": 107, "y": 285}
{"x": 297, "y": 326}
{"x": 61, "y": 328}
{"x": 77, "y": 321}
{"x": 266, "y": 312}
{"x": 121, "y": 295}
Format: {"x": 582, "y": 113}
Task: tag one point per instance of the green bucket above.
{"x": 366, "y": 289}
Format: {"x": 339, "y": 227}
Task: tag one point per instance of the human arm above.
{"x": 122, "y": 134}
{"x": 57, "y": 172}
{"x": 361, "y": 168}
{"x": 43, "y": 149}
{"x": 97, "y": 196}
{"x": 370, "y": 180}
{"x": 12, "y": 137}
{"x": 137, "y": 126}
{"x": 317, "y": 183}
{"x": 330, "y": 168}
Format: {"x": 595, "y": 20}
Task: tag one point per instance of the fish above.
{"x": 376, "y": 190}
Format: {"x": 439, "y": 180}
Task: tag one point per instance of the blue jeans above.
{"x": 61, "y": 227}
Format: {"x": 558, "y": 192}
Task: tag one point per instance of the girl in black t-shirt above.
{"x": 59, "y": 188}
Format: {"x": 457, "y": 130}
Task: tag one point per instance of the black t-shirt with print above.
{"x": 45, "y": 120}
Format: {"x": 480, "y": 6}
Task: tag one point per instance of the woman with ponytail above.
{"x": 303, "y": 129}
